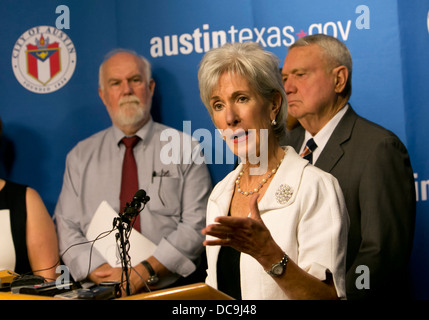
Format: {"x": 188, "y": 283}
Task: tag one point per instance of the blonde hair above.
{"x": 251, "y": 61}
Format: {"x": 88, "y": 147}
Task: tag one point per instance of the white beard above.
{"x": 131, "y": 112}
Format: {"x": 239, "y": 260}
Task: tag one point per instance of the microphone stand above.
{"x": 123, "y": 230}
{"x": 123, "y": 224}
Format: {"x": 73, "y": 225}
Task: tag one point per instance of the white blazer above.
{"x": 310, "y": 224}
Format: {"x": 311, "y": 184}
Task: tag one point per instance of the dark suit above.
{"x": 374, "y": 171}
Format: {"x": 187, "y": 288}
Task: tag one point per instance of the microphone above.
{"x": 139, "y": 198}
{"x": 133, "y": 209}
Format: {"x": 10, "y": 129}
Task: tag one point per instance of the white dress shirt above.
{"x": 172, "y": 219}
{"x": 322, "y": 137}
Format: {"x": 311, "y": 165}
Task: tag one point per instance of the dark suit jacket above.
{"x": 374, "y": 171}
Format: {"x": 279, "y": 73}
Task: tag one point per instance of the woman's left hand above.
{"x": 248, "y": 235}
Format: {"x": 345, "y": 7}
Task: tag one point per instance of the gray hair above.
{"x": 336, "y": 53}
{"x": 250, "y": 60}
{"x": 146, "y": 64}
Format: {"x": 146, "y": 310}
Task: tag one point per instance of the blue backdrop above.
{"x": 45, "y": 115}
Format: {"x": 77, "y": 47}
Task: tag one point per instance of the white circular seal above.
{"x": 43, "y": 59}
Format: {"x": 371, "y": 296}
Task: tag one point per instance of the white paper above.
{"x": 140, "y": 247}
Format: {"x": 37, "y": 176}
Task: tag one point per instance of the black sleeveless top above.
{"x": 13, "y": 198}
{"x": 228, "y": 271}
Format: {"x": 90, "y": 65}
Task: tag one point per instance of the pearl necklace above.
{"x": 261, "y": 184}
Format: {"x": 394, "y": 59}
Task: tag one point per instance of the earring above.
{"x": 274, "y": 122}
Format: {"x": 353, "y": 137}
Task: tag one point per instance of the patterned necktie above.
{"x": 129, "y": 182}
{"x": 308, "y": 150}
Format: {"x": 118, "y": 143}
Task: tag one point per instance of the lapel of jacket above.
{"x": 289, "y": 175}
{"x": 333, "y": 150}
{"x": 222, "y": 194}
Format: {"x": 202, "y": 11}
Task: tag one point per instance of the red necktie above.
{"x": 129, "y": 183}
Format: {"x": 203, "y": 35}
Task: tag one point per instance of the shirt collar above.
{"x": 322, "y": 137}
{"x": 143, "y": 133}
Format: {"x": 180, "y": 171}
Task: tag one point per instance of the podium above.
{"x": 197, "y": 291}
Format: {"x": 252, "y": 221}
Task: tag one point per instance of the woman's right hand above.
{"x": 248, "y": 235}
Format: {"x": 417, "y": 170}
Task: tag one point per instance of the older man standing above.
{"x": 178, "y": 192}
{"x": 370, "y": 163}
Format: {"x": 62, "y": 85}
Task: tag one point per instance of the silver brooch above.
{"x": 284, "y": 193}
